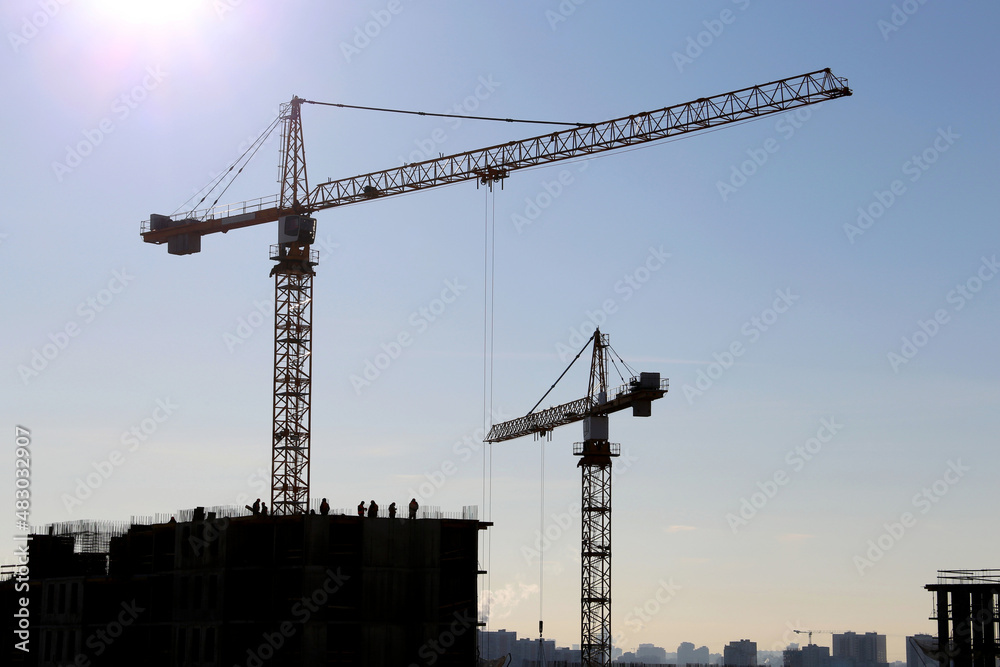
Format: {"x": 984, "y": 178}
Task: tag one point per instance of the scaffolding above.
{"x": 89, "y": 537}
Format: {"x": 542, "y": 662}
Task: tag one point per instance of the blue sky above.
{"x": 900, "y": 448}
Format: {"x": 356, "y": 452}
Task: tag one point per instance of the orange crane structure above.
{"x": 296, "y": 202}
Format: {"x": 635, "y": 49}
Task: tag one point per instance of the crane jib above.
{"x": 494, "y": 163}
{"x": 637, "y": 394}
{"x": 567, "y": 144}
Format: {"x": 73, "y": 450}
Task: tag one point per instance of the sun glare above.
{"x": 150, "y": 12}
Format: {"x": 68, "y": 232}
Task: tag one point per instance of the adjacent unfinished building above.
{"x": 967, "y": 611}
{"x": 257, "y": 590}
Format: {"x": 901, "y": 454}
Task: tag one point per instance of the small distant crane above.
{"x": 810, "y": 633}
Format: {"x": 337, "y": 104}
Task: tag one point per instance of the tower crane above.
{"x": 818, "y": 632}
{"x": 810, "y": 633}
{"x": 596, "y": 454}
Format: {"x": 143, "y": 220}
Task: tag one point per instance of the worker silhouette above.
{"x": 256, "y": 507}
{"x": 263, "y": 509}
{"x": 392, "y": 511}
{"x": 413, "y": 508}
{"x": 324, "y": 507}
{"x": 372, "y": 510}
{"x": 361, "y": 508}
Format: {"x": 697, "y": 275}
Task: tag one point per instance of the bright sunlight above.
{"x": 150, "y": 12}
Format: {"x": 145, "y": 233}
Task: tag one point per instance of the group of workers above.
{"x": 373, "y": 509}
{"x": 260, "y": 509}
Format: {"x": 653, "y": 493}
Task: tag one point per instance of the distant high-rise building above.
{"x": 915, "y": 657}
{"x": 867, "y": 650}
{"x": 651, "y": 655}
{"x": 809, "y": 656}
{"x": 740, "y": 654}
{"x": 687, "y": 654}
{"x": 815, "y": 656}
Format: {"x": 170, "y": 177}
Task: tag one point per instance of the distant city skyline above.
{"x": 851, "y": 645}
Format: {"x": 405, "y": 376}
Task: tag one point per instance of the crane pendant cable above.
{"x": 446, "y": 115}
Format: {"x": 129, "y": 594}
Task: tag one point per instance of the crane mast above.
{"x": 293, "y": 283}
{"x": 596, "y": 454}
{"x": 294, "y": 272}
{"x": 293, "y": 290}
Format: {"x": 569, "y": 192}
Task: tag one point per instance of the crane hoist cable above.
{"x": 491, "y": 196}
{"x": 489, "y": 275}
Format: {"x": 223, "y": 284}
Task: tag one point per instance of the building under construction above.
{"x": 210, "y": 589}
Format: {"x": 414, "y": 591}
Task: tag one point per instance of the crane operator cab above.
{"x": 296, "y": 229}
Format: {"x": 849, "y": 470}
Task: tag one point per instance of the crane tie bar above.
{"x": 446, "y": 115}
